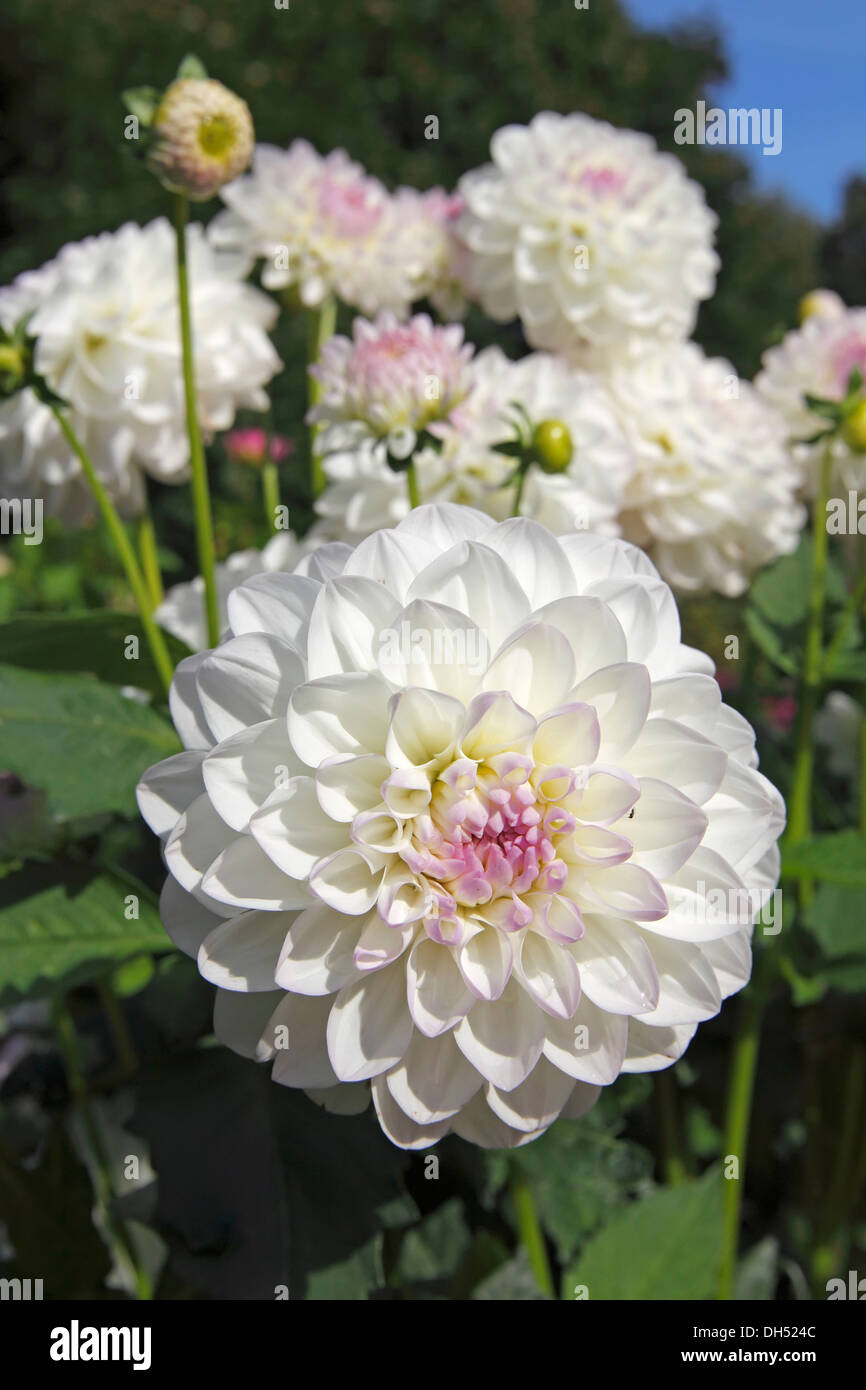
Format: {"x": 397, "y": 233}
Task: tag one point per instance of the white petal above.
{"x": 731, "y": 960}
{"x": 590, "y": 1046}
{"x": 652, "y": 1049}
{"x": 477, "y": 1124}
{"x": 243, "y": 876}
{"x": 402, "y": 1131}
{"x": 582, "y": 1099}
{"x": 280, "y": 604}
{"x": 342, "y": 1099}
{"x": 185, "y": 704}
{"x": 536, "y": 668}
{"x": 370, "y": 1026}
{"x": 568, "y": 737}
{"x": 239, "y": 1020}
{"x": 688, "y": 989}
{"x": 550, "y": 975}
{"x": 666, "y": 828}
{"x": 345, "y": 714}
{"x": 477, "y": 582}
{"x": 346, "y": 786}
{"x": 296, "y": 1037}
{"x": 535, "y": 558}
{"x": 438, "y": 994}
{"x": 593, "y": 632}
{"x": 433, "y": 1080}
{"x": 620, "y": 696}
{"x": 187, "y": 921}
{"x": 349, "y": 881}
{"x": 242, "y": 771}
{"x": 347, "y": 625}
{"x": 536, "y": 1102}
{"x": 424, "y": 725}
{"x": 294, "y": 831}
{"x": 246, "y": 681}
{"x": 168, "y": 788}
{"x": 435, "y": 647}
{"x": 195, "y": 842}
{"x": 318, "y": 954}
{"x": 674, "y": 753}
{"x": 495, "y": 724}
{"x": 617, "y": 971}
{"x": 502, "y": 1040}
{"x": 242, "y": 953}
{"x": 485, "y": 962}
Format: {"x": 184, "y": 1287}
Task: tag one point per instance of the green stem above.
{"x": 412, "y": 484}
{"x": 124, "y": 548}
{"x": 198, "y": 463}
{"x": 741, "y": 1085}
{"x": 271, "y": 493}
{"x": 671, "y": 1163}
{"x": 121, "y": 1242}
{"x": 800, "y": 801}
{"x": 530, "y": 1232}
{"x": 147, "y": 550}
{"x": 829, "y": 1250}
{"x": 321, "y": 323}
{"x": 125, "y": 1055}
{"x": 518, "y": 492}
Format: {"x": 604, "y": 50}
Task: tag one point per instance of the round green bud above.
{"x": 854, "y": 429}
{"x": 552, "y": 446}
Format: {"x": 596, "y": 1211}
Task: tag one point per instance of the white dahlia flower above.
{"x": 104, "y": 315}
{"x": 461, "y": 821}
{"x": 182, "y": 610}
{"x": 466, "y": 466}
{"x": 588, "y": 234}
{"x": 714, "y": 493}
{"x": 323, "y": 226}
{"x": 818, "y": 359}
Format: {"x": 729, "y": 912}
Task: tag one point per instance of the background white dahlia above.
{"x": 105, "y": 318}
{"x": 182, "y": 610}
{"x": 465, "y": 466}
{"x": 462, "y": 822}
{"x": 321, "y": 225}
{"x": 714, "y": 494}
{"x": 818, "y": 358}
{"x": 586, "y": 233}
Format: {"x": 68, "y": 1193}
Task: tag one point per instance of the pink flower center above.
{"x": 352, "y": 209}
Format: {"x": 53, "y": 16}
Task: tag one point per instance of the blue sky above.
{"x": 807, "y": 57}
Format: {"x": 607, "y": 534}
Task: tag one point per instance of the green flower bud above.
{"x": 552, "y": 446}
{"x": 854, "y": 429}
{"x": 202, "y": 137}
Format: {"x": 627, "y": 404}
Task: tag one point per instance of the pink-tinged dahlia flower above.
{"x": 818, "y": 359}
{"x": 461, "y": 822}
{"x": 588, "y": 234}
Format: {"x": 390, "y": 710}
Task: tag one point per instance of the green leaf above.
{"x": 514, "y": 1282}
{"x": 191, "y": 66}
{"x": 81, "y": 742}
{"x": 90, "y": 642}
{"x": 666, "y": 1246}
{"x": 846, "y": 666}
{"x": 64, "y": 923}
{"x": 838, "y": 858}
{"x": 142, "y": 102}
{"x": 758, "y": 1272}
{"x": 769, "y": 641}
{"x": 435, "y": 1248}
{"x": 780, "y": 593}
{"x": 836, "y": 917}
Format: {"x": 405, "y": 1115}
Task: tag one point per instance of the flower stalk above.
{"x": 530, "y": 1232}
{"x": 148, "y": 552}
{"x": 198, "y": 463}
{"x": 321, "y": 323}
{"x": 125, "y": 550}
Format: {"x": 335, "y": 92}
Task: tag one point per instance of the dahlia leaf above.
{"x": 90, "y": 642}
{"x": 81, "y": 742}
{"x": 836, "y": 917}
{"x": 62, "y": 924}
{"x": 837, "y": 859}
{"x": 666, "y": 1246}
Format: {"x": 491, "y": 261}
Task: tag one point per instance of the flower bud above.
{"x": 202, "y": 137}
{"x": 854, "y": 429}
{"x": 552, "y": 446}
{"x": 15, "y": 366}
{"x": 820, "y": 304}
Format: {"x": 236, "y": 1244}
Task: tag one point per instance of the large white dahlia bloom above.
{"x": 461, "y": 821}
{"x": 714, "y": 495}
{"x": 818, "y": 358}
{"x": 182, "y": 611}
{"x": 104, "y": 314}
{"x": 321, "y": 225}
{"x": 588, "y": 234}
{"x": 465, "y": 465}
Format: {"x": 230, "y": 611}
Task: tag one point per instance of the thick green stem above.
{"x": 147, "y": 549}
{"x": 198, "y": 463}
{"x": 271, "y": 493}
{"x": 741, "y": 1085}
{"x": 800, "y": 801}
{"x": 530, "y": 1232}
{"x": 124, "y": 548}
{"x": 412, "y": 484}
{"x": 121, "y": 1242}
{"x": 321, "y": 323}
{"x": 671, "y": 1163}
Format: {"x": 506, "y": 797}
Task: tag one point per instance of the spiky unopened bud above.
{"x": 202, "y": 137}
